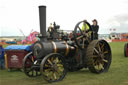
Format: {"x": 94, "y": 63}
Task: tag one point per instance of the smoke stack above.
{"x": 42, "y": 16}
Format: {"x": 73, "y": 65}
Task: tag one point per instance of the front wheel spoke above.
{"x": 59, "y": 65}
{"x": 59, "y": 73}
{"x": 50, "y": 62}
{"x": 57, "y": 60}
{"x": 60, "y": 69}
{"x": 47, "y": 70}
{"x": 49, "y": 75}
{"x": 52, "y": 59}
{"x": 54, "y": 75}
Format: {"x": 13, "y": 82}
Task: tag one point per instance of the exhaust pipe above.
{"x": 42, "y": 17}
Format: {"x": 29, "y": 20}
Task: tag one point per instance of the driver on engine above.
{"x": 87, "y": 29}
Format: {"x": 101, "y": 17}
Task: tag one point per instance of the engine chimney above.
{"x": 42, "y": 16}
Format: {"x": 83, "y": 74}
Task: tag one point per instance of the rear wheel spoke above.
{"x": 99, "y": 47}
{"x": 105, "y": 52}
{"x": 101, "y": 66}
{"x": 97, "y": 67}
{"x": 106, "y": 61}
{"x": 102, "y": 47}
{"x": 96, "y": 50}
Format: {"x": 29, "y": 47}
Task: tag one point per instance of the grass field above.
{"x": 117, "y": 74}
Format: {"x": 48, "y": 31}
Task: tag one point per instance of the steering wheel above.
{"x": 82, "y": 37}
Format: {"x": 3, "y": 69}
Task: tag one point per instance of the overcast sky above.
{"x": 24, "y": 14}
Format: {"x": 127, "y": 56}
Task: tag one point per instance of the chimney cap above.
{"x": 42, "y": 6}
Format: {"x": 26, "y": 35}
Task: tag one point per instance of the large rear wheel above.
{"x": 98, "y": 56}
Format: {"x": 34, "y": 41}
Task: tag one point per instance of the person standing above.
{"x": 85, "y": 27}
{"x": 2, "y": 59}
{"x": 95, "y": 29}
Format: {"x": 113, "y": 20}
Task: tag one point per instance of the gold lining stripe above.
{"x": 54, "y": 47}
{"x": 67, "y": 48}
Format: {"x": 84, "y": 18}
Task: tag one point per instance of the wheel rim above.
{"x": 100, "y": 58}
{"x": 53, "y": 68}
{"x": 81, "y": 36}
{"x": 28, "y": 63}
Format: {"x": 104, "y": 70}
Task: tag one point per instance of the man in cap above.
{"x": 95, "y": 29}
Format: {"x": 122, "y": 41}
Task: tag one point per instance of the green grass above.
{"x": 117, "y": 74}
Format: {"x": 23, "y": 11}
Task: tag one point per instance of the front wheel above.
{"x": 53, "y": 67}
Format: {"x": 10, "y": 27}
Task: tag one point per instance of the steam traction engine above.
{"x": 52, "y": 58}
